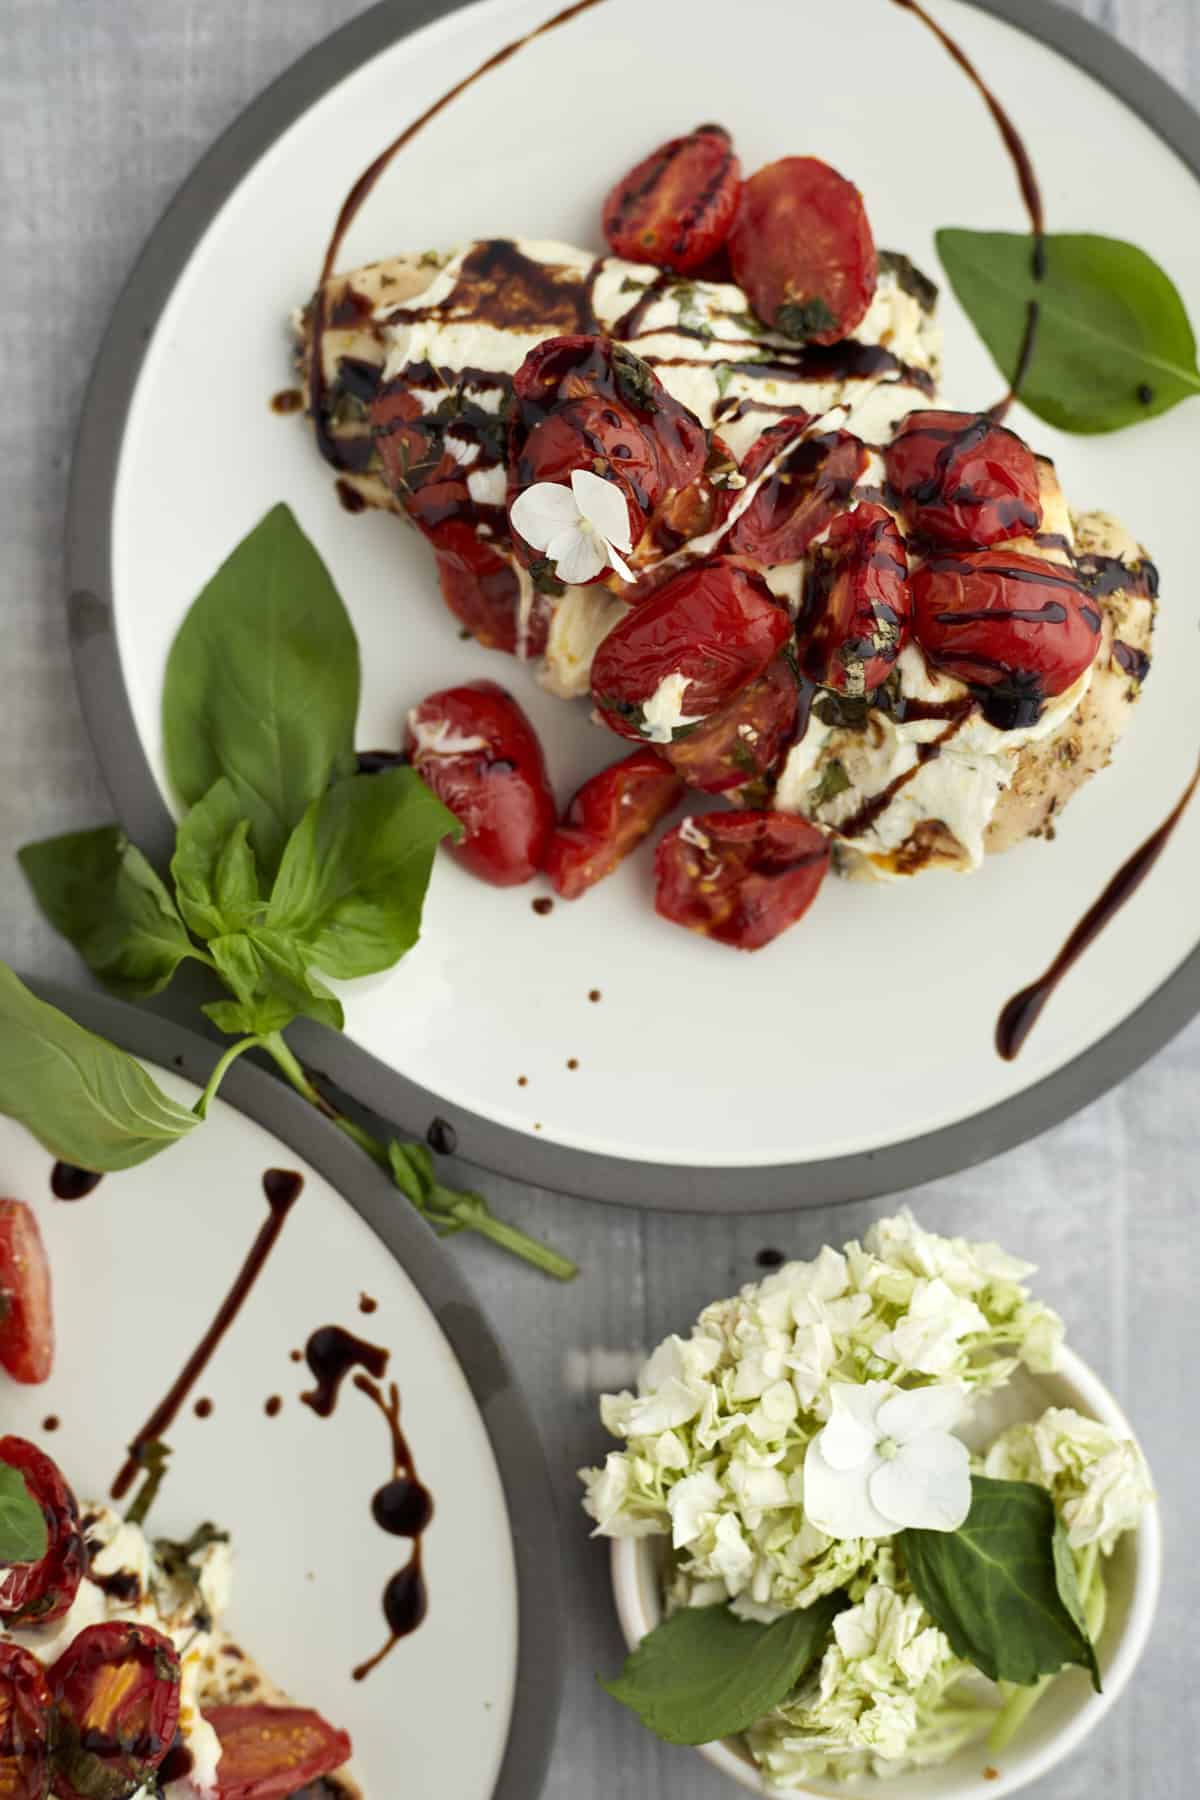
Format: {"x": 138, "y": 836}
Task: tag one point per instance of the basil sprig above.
{"x": 1113, "y": 343}
{"x": 704, "y": 1673}
{"x": 85, "y": 1100}
{"x": 1003, "y": 1586}
{"x": 290, "y": 870}
{"x": 24, "y": 1536}
{"x": 262, "y": 685}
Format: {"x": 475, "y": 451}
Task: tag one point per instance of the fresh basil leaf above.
{"x": 214, "y": 870}
{"x": 1114, "y": 344}
{"x": 24, "y": 1536}
{"x": 262, "y": 685}
{"x": 98, "y": 890}
{"x": 704, "y": 1673}
{"x": 352, "y": 881}
{"x": 85, "y": 1100}
{"x": 994, "y": 1586}
{"x": 272, "y": 984}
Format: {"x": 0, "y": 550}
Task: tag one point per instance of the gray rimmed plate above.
{"x": 855, "y": 1056}
{"x": 468, "y": 1702}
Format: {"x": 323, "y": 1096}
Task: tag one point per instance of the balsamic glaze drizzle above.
{"x": 331, "y": 1353}
{"x": 361, "y": 191}
{"x": 282, "y": 1189}
{"x": 67, "y": 1182}
{"x": 1027, "y": 180}
{"x": 403, "y": 1507}
{"x": 1022, "y": 1012}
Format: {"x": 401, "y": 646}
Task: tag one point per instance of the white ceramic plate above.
{"x": 855, "y": 1054}
{"x": 1066, "y": 1713}
{"x": 138, "y": 1270}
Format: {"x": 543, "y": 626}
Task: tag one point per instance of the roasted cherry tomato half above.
{"x": 609, "y": 817}
{"x": 740, "y": 877}
{"x": 806, "y": 490}
{"x": 480, "y": 587}
{"x": 676, "y": 208}
{"x": 37, "y": 1593}
{"x": 426, "y": 456}
{"x": 746, "y": 740}
{"x": 271, "y": 1752}
{"x": 24, "y": 1726}
{"x": 963, "y": 479}
{"x": 802, "y": 249}
{"x": 1016, "y": 629}
{"x": 707, "y": 632}
{"x": 26, "y": 1318}
{"x": 116, "y": 1710}
{"x": 589, "y": 403}
{"x": 478, "y": 752}
{"x": 856, "y": 605}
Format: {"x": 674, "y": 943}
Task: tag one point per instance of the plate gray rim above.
{"x": 516, "y": 1446}
{"x": 104, "y": 698}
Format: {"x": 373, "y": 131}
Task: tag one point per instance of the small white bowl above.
{"x": 1069, "y": 1709}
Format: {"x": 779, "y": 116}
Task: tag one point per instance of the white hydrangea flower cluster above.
{"x": 716, "y": 1438}
{"x": 1099, "y": 1481}
{"x": 717, "y": 1431}
{"x": 880, "y": 1699}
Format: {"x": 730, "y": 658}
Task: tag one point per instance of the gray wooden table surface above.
{"x": 104, "y": 107}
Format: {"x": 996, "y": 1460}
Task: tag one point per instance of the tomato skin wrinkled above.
{"x": 856, "y": 607}
{"x": 963, "y": 479}
{"x": 116, "y": 1710}
{"x": 740, "y": 877}
{"x": 676, "y": 207}
{"x": 744, "y": 742}
{"x": 38, "y": 1593}
{"x": 717, "y": 625}
{"x": 810, "y": 486}
{"x": 25, "y": 1722}
{"x": 1018, "y": 630}
{"x": 496, "y": 787}
{"x": 271, "y": 1752}
{"x": 608, "y": 818}
{"x": 26, "y": 1316}
{"x": 802, "y": 250}
{"x": 588, "y": 403}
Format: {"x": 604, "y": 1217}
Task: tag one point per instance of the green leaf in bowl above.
{"x": 1002, "y": 1587}
{"x": 704, "y": 1673}
{"x": 1114, "y": 344}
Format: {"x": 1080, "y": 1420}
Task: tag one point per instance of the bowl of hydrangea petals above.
{"x": 875, "y": 1528}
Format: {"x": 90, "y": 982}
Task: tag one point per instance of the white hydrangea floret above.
{"x": 886, "y": 1461}
{"x": 1099, "y": 1479}
{"x": 582, "y": 527}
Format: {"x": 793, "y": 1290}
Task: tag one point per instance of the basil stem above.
{"x": 445, "y": 1209}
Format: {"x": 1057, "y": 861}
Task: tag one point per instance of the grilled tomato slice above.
{"x": 1016, "y": 629}
{"x": 37, "y": 1593}
{"x": 116, "y": 1710}
{"x": 687, "y": 650}
{"x": 740, "y": 877}
{"x": 964, "y": 480}
{"x": 802, "y": 249}
{"x": 272, "y": 1752}
{"x": 676, "y": 207}
{"x": 478, "y": 752}
{"x": 609, "y": 817}
{"x": 24, "y": 1726}
{"x": 26, "y": 1319}
{"x": 854, "y": 614}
